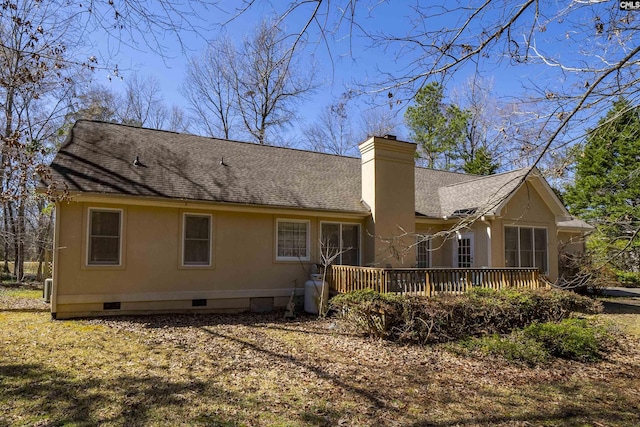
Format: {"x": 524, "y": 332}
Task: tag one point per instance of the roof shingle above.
{"x": 99, "y": 158}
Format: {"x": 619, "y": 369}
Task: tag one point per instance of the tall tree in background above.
{"x": 485, "y": 140}
{"x": 378, "y": 121}
{"x": 209, "y": 88}
{"x": 258, "y": 83}
{"x": 479, "y": 161}
{"x": 94, "y": 103}
{"x": 607, "y": 186}
{"x": 270, "y": 82}
{"x": 141, "y": 104}
{"x": 333, "y": 133}
{"x": 437, "y": 128}
{"x": 35, "y": 76}
{"x": 559, "y": 95}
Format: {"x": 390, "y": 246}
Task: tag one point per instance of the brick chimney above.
{"x": 388, "y": 188}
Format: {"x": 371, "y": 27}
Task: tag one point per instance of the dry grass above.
{"x": 30, "y": 267}
{"x": 625, "y": 313}
{"x": 17, "y": 297}
{"x": 255, "y": 370}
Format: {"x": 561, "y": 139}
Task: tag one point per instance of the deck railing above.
{"x": 429, "y": 281}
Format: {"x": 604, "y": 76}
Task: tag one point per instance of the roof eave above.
{"x": 83, "y": 196}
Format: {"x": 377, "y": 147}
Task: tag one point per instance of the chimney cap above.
{"x": 389, "y": 136}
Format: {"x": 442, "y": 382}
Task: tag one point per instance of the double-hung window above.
{"x": 105, "y": 236}
{"x": 196, "y": 248}
{"x": 526, "y": 247}
{"x": 340, "y": 243}
{"x": 292, "y": 240}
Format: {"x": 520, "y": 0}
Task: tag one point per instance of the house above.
{"x": 157, "y": 221}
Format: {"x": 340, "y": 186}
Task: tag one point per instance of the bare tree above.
{"x": 177, "y": 120}
{"x": 144, "y": 23}
{"x": 96, "y": 102}
{"x": 258, "y": 83}
{"x": 378, "y": 121}
{"x": 599, "y": 57}
{"x": 35, "y": 76}
{"x": 210, "y": 88}
{"x": 333, "y": 132}
{"x": 142, "y": 102}
{"x": 268, "y": 84}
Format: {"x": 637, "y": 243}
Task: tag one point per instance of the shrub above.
{"x": 368, "y": 311}
{"x": 451, "y": 317}
{"x": 514, "y": 347}
{"x": 574, "y": 339}
{"x": 628, "y": 279}
{"x": 7, "y": 277}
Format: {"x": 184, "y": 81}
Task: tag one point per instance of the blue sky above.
{"x": 353, "y": 60}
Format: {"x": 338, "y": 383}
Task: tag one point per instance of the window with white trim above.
{"x": 526, "y": 247}
{"x": 292, "y": 240}
{"x": 423, "y": 252}
{"x": 196, "y": 245}
{"x": 340, "y": 243}
{"x": 104, "y": 237}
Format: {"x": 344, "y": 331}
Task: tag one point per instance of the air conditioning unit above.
{"x": 48, "y": 288}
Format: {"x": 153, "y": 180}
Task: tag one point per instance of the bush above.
{"x": 369, "y": 311}
{"x": 628, "y": 279}
{"x": 514, "y": 347}
{"x": 574, "y": 339}
{"x": 452, "y": 317}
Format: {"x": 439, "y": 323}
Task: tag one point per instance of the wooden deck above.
{"x": 429, "y": 281}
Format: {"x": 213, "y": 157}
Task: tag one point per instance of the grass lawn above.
{"x": 259, "y": 370}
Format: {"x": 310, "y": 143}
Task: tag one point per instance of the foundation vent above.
{"x": 111, "y": 306}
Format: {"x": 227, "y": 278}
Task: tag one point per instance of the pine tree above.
{"x": 479, "y": 163}
{"x": 437, "y": 128}
{"x": 606, "y": 191}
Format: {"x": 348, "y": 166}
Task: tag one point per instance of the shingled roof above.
{"x": 100, "y": 158}
{"x": 480, "y": 194}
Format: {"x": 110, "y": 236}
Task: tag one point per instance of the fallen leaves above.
{"x": 257, "y": 370}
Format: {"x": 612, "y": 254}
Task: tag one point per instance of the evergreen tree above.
{"x": 479, "y": 163}
{"x": 607, "y": 186}
{"x": 437, "y": 128}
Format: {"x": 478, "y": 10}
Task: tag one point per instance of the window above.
{"x": 196, "y": 249}
{"x": 423, "y": 252}
{"x": 526, "y": 247}
{"x": 340, "y": 242}
{"x": 292, "y": 240}
{"x": 105, "y": 229}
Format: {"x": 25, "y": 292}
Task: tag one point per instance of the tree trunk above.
{"x": 43, "y": 242}
{"x": 20, "y": 235}
{"x": 12, "y": 224}
{"x": 5, "y": 234}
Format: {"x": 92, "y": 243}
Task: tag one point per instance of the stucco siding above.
{"x": 151, "y": 276}
{"x": 528, "y": 208}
